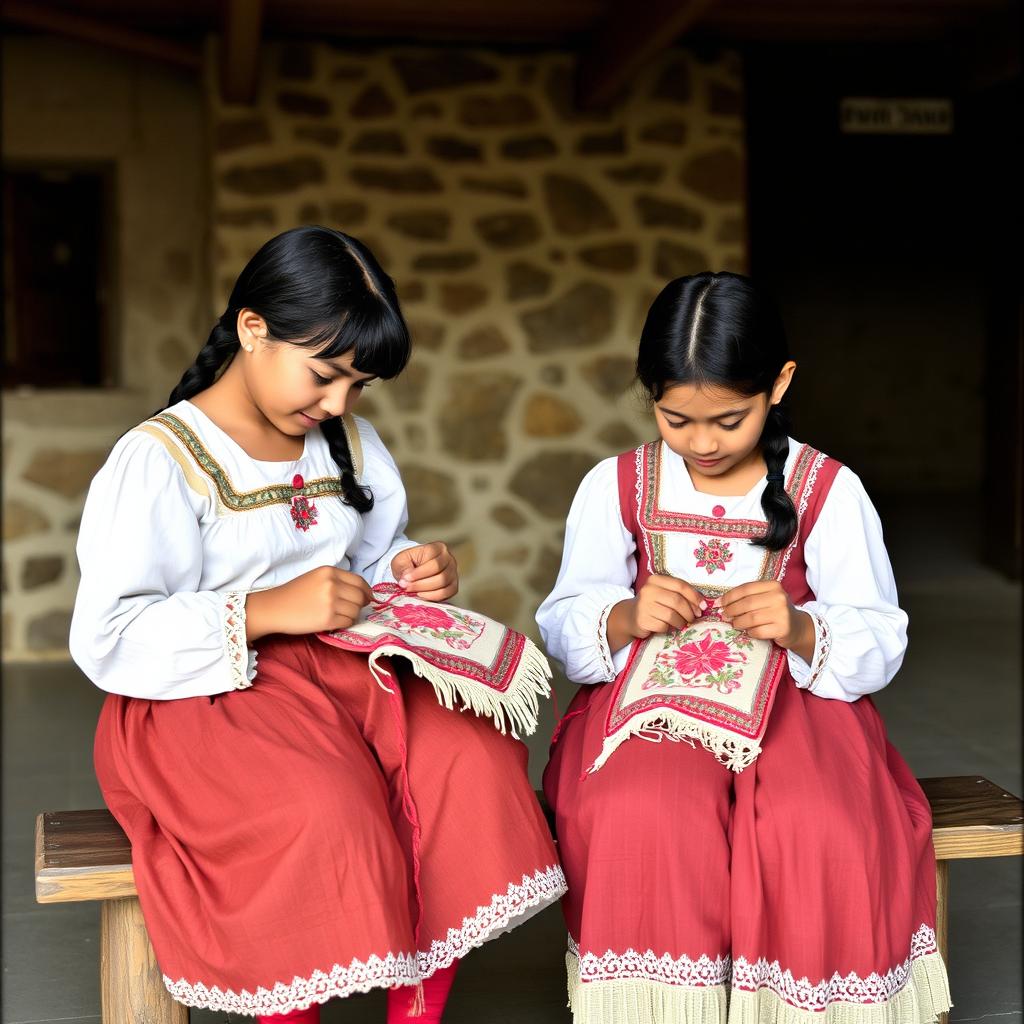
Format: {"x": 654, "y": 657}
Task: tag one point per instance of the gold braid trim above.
{"x": 233, "y": 499}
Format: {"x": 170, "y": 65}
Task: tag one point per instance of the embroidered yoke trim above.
{"x": 747, "y": 976}
{"x": 805, "y": 493}
{"x": 235, "y": 500}
{"x": 654, "y": 522}
{"x": 235, "y": 641}
{"x": 546, "y": 886}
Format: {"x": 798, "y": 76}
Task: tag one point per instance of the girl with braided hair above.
{"x": 801, "y": 887}
{"x": 298, "y": 833}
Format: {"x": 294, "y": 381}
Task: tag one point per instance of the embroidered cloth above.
{"x": 708, "y": 682}
{"x": 485, "y": 666}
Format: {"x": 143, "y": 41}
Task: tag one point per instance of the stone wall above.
{"x": 68, "y": 102}
{"x": 527, "y": 241}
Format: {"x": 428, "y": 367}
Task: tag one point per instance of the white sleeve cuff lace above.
{"x": 603, "y": 648}
{"x": 241, "y": 666}
{"x": 804, "y": 675}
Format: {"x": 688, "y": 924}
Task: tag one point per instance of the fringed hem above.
{"x": 732, "y": 751}
{"x": 518, "y": 706}
{"x": 641, "y": 1001}
{"x": 920, "y": 1001}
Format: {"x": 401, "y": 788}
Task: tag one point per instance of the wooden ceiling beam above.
{"x": 241, "y": 28}
{"x": 632, "y": 34}
{"x": 76, "y": 26}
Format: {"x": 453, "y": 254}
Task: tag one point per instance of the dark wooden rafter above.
{"x": 241, "y": 28}
{"x": 630, "y": 36}
{"x": 47, "y": 19}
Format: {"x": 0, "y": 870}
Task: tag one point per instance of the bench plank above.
{"x": 84, "y": 855}
{"x": 972, "y": 817}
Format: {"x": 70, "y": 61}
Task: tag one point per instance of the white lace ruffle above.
{"x": 747, "y": 976}
{"x": 377, "y": 972}
{"x": 806, "y": 995}
{"x": 506, "y": 910}
{"x": 649, "y": 966}
{"x": 235, "y": 644}
{"x": 533, "y": 894}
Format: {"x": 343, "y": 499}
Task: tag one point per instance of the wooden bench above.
{"x": 84, "y": 855}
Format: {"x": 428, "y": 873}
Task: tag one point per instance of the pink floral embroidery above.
{"x": 423, "y": 616}
{"x": 456, "y": 629}
{"x": 704, "y": 656}
{"x": 714, "y": 661}
{"x": 712, "y": 555}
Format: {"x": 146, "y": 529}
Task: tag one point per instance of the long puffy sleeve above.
{"x": 384, "y": 530}
{"x": 860, "y": 630}
{"x": 597, "y": 572}
{"x": 141, "y": 625}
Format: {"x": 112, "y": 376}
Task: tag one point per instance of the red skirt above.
{"x": 315, "y": 836}
{"x": 801, "y": 889}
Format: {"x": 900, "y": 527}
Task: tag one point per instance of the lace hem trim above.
{"x": 235, "y": 642}
{"x": 545, "y": 886}
{"x": 754, "y": 976}
{"x": 649, "y": 966}
{"x": 339, "y": 981}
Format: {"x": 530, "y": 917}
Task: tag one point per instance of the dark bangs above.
{"x": 373, "y": 332}
{"x": 324, "y": 290}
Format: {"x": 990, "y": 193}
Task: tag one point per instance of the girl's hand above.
{"x": 316, "y": 602}
{"x": 763, "y": 610}
{"x": 428, "y": 571}
{"x": 663, "y": 604}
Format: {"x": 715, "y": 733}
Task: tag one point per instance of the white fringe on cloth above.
{"x": 518, "y": 706}
{"x": 920, "y": 1001}
{"x": 643, "y": 1001}
{"x": 640, "y": 1001}
{"x": 730, "y": 750}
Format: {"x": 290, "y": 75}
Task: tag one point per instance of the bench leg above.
{"x": 942, "y": 917}
{"x": 131, "y": 984}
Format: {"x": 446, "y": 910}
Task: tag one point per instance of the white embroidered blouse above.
{"x": 860, "y": 631}
{"x": 180, "y": 524}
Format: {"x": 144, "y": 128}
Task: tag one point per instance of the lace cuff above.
{"x": 242, "y": 668}
{"x": 603, "y": 648}
{"x": 804, "y": 675}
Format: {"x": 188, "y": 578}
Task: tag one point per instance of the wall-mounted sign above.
{"x": 866, "y": 115}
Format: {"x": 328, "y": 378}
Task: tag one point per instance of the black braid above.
{"x": 216, "y": 353}
{"x": 775, "y": 501}
{"x": 360, "y": 498}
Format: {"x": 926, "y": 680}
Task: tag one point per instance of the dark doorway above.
{"x": 58, "y": 229}
{"x": 894, "y": 258}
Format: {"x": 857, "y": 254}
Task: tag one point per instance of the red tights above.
{"x": 401, "y": 1003}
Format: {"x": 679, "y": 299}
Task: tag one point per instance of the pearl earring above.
{"x": 248, "y": 348}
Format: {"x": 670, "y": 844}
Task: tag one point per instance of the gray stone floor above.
{"x": 954, "y": 709}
